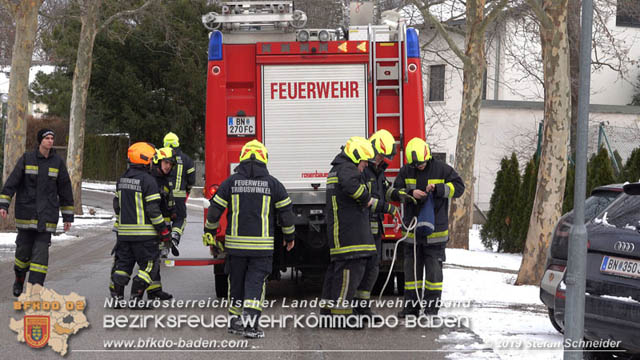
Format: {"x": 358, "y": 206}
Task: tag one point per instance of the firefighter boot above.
{"x": 408, "y": 310}
{"x": 159, "y": 294}
{"x": 367, "y": 315}
{"x": 252, "y": 331}
{"x": 117, "y": 293}
{"x": 138, "y": 287}
{"x": 18, "y": 285}
{"x": 235, "y": 326}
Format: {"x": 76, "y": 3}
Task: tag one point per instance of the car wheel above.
{"x": 554, "y": 322}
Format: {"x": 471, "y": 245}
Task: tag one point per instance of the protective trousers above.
{"x": 180, "y": 221}
{"x": 430, "y": 257}
{"x": 247, "y": 276}
{"x": 32, "y": 255}
{"x": 371, "y": 272}
{"x": 341, "y": 282}
{"x": 127, "y": 254}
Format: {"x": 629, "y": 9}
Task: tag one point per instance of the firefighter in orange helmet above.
{"x": 139, "y": 225}
{"x": 252, "y": 199}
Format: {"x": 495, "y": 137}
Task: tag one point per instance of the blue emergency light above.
{"x": 413, "y": 45}
{"x": 215, "y": 45}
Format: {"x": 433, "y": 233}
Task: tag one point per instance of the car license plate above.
{"x": 620, "y": 266}
{"x": 241, "y": 125}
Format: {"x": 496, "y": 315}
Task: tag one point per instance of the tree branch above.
{"x": 497, "y": 10}
{"x": 540, "y": 14}
{"x": 125, "y": 13}
{"x": 426, "y": 14}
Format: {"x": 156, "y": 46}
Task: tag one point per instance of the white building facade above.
{"x": 513, "y": 95}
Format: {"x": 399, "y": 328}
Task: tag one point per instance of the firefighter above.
{"x": 252, "y": 198}
{"x": 162, "y": 163}
{"x": 139, "y": 224}
{"x": 420, "y": 176}
{"x": 41, "y": 181}
{"x": 183, "y": 177}
{"x": 383, "y": 145}
{"x": 350, "y": 241}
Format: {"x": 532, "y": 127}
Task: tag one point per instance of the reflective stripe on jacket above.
{"x": 348, "y": 227}
{"x": 137, "y": 206}
{"x": 448, "y": 185}
{"x": 43, "y": 189}
{"x": 252, "y": 199}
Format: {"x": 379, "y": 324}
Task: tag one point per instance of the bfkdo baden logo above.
{"x": 48, "y": 318}
{"x": 36, "y": 330}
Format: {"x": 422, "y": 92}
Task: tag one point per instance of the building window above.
{"x": 628, "y": 13}
{"x": 436, "y": 83}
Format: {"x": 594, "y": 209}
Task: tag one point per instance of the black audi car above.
{"x": 612, "y": 298}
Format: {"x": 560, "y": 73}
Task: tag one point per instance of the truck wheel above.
{"x": 400, "y": 282}
{"x": 220, "y": 281}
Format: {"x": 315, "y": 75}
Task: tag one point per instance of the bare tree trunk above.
{"x": 25, "y": 15}
{"x": 81, "y": 79}
{"x": 547, "y": 206}
{"x": 462, "y": 208}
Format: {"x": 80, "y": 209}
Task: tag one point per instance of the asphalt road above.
{"x": 83, "y": 267}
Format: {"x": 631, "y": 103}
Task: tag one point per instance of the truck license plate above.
{"x": 241, "y": 125}
{"x": 620, "y": 266}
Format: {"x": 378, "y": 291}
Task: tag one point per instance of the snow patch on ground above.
{"x": 509, "y": 319}
{"x": 99, "y": 218}
{"x": 102, "y": 186}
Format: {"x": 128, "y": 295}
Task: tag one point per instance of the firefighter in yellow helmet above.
{"x": 423, "y": 176}
{"x": 383, "y": 144}
{"x": 161, "y": 165}
{"x": 350, "y": 241}
{"x": 139, "y": 225}
{"x": 252, "y": 199}
{"x": 183, "y": 178}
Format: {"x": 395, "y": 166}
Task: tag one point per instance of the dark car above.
{"x": 600, "y": 198}
{"x": 612, "y": 298}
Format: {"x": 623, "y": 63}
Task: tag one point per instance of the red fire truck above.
{"x": 303, "y": 93}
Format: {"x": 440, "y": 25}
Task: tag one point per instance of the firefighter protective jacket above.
{"x": 183, "y": 174}
{"x": 137, "y": 206}
{"x": 380, "y": 189}
{"x": 448, "y": 185}
{"x": 348, "y": 226}
{"x": 251, "y": 197}
{"x": 167, "y": 203}
{"x": 43, "y": 190}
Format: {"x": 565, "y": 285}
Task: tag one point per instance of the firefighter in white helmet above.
{"x": 252, "y": 199}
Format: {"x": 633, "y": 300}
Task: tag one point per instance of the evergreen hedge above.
{"x": 105, "y": 157}
{"x": 513, "y": 195}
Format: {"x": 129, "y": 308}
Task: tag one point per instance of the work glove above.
{"x": 175, "y": 241}
{"x": 164, "y": 235}
{"x": 209, "y": 239}
{"x": 405, "y": 198}
{"x": 392, "y": 210}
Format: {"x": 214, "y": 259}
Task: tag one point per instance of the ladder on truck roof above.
{"x": 251, "y": 16}
{"x": 395, "y": 72}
